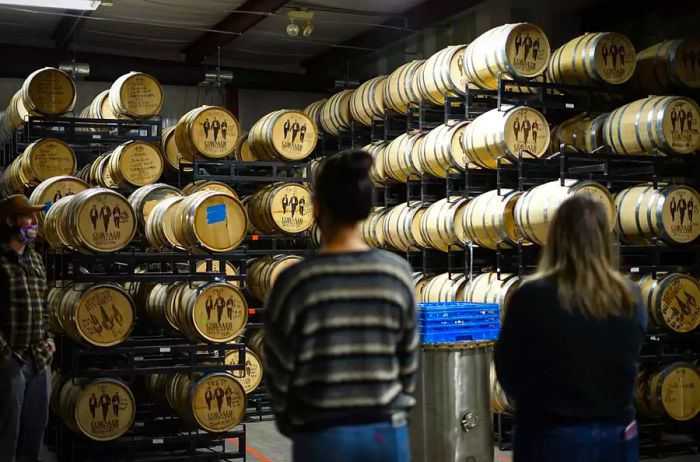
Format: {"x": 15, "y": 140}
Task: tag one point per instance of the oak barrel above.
{"x": 442, "y": 225}
{"x": 144, "y": 199}
{"x": 373, "y": 228}
{"x": 582, "y": 132}
{"x": 131, "y": 165}
{"x": 443, "y": 74}
{"x": 281, "y": 208}
{"x": 171, "y": 154}
{"x": 242, "y": 151}
{"x": 399, "y": 157}
{"x": 671, "y": 64}
{"x": 503, "y": 134}
{"x": 376, "y": 173}
{"x": 313, "y": 110}
{"x": 209, "y": 185}
{"x": 445, "y": 287}
{"x": 598, "y": 57}
{"x": 489, "y": 219}
{"x": 667, "y": 123}
{"x": 401, "y": 226}
{"x": 251, "y": 376}
{"x": 52, "y": 190}
{"x": 492, "y": 288}
{"x": 442, "y": 150}
{"x": 335, "y": 114}
{"x": 401, "y": 87}
{"x": 645, "y": 214}
{"x": 207, "y": 131}
{"x": 263, "y": 272}
{"x": 99, "y": 108}
{"x": 672, "y": 302}
{"x": 367, "y": 101}
{"x": 519, "y": 50}
{"x": 40, "y": 160}
{"x": 670, "y": 391}
{"x": 535, "y": 209}
{"x": 136, "y": 95}
{"x": 101, "y": 315}
{"x": 284, "y": 135}
{"x": 420, "y": 280}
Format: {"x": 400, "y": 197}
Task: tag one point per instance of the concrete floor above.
{"x": 265, "y": 444}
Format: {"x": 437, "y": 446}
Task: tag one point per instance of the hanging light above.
{"x": 308, "y": 29}
{"x": 292, "y": 29}
{"x": 304, "y": 17}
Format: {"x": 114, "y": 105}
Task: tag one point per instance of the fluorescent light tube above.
{"x": 61, "y": 4}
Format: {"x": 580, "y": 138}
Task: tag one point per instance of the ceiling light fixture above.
{"x": 61, "y": 4}
{"x": 297, "y": 16}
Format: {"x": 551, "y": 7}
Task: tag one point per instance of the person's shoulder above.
{"x": 536, "y": 286}
{"x": 391, "y": 259}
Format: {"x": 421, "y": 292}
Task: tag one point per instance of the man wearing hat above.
{"x": 25, "y": 345}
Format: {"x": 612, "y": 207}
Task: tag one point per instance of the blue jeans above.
{"x": 581, "y": 443}
{"x": 376, "y": 442}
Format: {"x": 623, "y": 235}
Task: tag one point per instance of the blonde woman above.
{"x": 568, "y": 347}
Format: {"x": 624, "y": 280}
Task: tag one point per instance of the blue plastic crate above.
{"x": 457, "y": 336}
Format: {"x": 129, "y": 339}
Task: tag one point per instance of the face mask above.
{"x": 28, "y": 233}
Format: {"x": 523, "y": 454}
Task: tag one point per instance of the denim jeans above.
{"x": 376, "y": 442}
{"x": 581, "y": 443}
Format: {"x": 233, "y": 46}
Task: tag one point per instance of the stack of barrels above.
{"x": 135, "y": 95}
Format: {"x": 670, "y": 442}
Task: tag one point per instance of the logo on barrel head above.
{"x": 296, "y": 208}
{"x": 681, "y": 215}
{"x": 294, "y": 135}
{"x": 105, "y": 410}
{"x": 527, "y": 131}
{"x": 683, "y": 118}
{"x": 527, "y": 51}
{"x": 102, "y": 318}
{"x": 617, "y": 58}
{"x": 219, "y": 403}
{"x": 680, "y": 308}
{"x": 220, "y": 312}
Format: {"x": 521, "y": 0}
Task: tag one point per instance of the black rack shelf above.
{"x": 236, "y": 172}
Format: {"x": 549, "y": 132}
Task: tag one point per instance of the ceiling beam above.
{"x": 20, "y": 61}
{"x": 419, "y": 17}
{"x": 68, "y": 27}
{"x": 237, "y": 22}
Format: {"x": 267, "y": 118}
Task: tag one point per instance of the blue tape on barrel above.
{"x": 47, "y": 206}
{"x": 216, "y": 213}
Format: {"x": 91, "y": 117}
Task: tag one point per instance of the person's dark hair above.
{"x": 343, "y": 188}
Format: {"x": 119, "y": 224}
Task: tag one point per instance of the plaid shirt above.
{"x": 23, "y": 318}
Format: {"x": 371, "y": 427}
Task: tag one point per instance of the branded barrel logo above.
{"x": 219, "y": 402}
{"x": 681, "y": 215}
{"x": 105, "y": 316}
{"x": 680, "y": 304}
{"x": 684, "y": 120}
{"x": 292, "y": 209}
{"x": 294, "y": 135}
{"x": 220, "y": 312}
{"x": 528, "y": 131}
{"x": 216, "y": 132}
{"x": 109, "y": 222}
{"x": 688, "y": 64}
{"x": 616, "y": 59}
{"x": 528, "y": 50}
{"x": 105, "y": 410}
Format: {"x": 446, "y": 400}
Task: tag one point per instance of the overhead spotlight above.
{"x": 292, "y": 29}
{"x": 308, "y": 29}
{"x": 303, "y": 17}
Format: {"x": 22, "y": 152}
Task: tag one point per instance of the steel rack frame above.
{"x": 390, "y": 126}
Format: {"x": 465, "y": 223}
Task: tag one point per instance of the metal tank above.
{"x": 452, "y": 418}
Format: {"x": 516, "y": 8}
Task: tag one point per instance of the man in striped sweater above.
{"x": 340, "y": 339}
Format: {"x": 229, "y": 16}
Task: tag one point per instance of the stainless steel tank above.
{"x": 452, "y": 418}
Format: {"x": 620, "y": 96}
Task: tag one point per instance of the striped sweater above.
{"x": 341, "y": 341}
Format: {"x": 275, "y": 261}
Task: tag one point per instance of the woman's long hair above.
{"x": 579, "y": 256}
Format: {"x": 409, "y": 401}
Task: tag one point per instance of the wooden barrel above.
{"x": 442, "y": 150}
{"x": 209, "y": 185}
{"x": 489, "y": 219}
{"x": 254, "y": 340}
{"x": 376, "y": 172}
{"x": 263, "y": 272}
{"x": 136, "y": 95}
{"x": 281, "y": 208}
{"x": 671, "y": 64}
{"x": 583, "y": 132}
{"x": 48, "y": 92}
{"x": 492, "y": 288}
{"x": 518, "y": 50}
{"x": 443, "y": 75}
{"x": 173, "y": 159}
{"x": 401, "y": 226}
{"x": 398, "y": 157}
{"x": 40, "y": 160}
{"x": 146, "y": 197}
{"x": 102, "y": 409}
{"x": 210, "y": 222}
{"x": 101, "y": 315}
{"x": 442, "y": 225}
{"x": 99, "y": 108}
{"x": 214, "y": 312}
{"x": 401, "y": 87}
{"x": 671, "y": 391}
{"x": 214, "y": 402}
{"x": 242, "y": 151}
{"x": 500, "y": 402}
{"x": 335, "y": 115}
{"x": 503, "y": 134}
{"x": 367, "y": 101}
{"x": 159, "y": 227}
{"x": 131, "y": 165}
{"x": 312, "y": 170}
{"x": 251, "y": 377}
{"x": 284, "y": 135}
{"x": 52, "y": 190}
{"x": 95, "y": 220}
{"x": 313, "y": 110}
{"x": 670, "y": 214}
{"x": 316, "y": 236}
{"x": 214, "y": 266}
{"x": 672, "y": 302}
{"x": 420, "y": 280}
{"x": 208, "y": 131}
{"x": 599, "y": 57}
{"x": 445, "y": 287}
{"x": 535, "y": 209}
{"x": 373, "y": 228}
{"x": 667, "y": 123}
